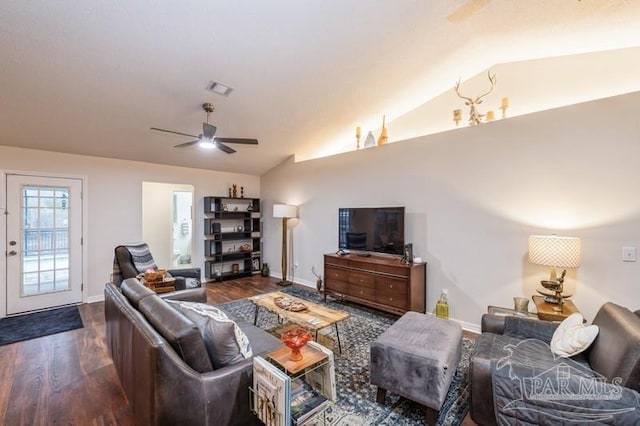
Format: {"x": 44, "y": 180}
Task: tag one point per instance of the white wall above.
{"x": 474, "y": 195}
{"x": 114, "y": 199}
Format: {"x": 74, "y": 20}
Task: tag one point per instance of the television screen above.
{"x": 374, "y": 229}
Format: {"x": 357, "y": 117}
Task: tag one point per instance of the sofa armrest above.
{"x": 529, "y": 328}
{"x": 492, "y": 324}
{"x": 189, "y": 295}
{"x": 185, "y": 272}
{"x": 520, "y": 327}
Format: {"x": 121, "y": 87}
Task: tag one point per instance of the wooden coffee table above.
{"x": 314, "y": 318}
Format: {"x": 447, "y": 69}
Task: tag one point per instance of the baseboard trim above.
{"x": 95, "y": 299}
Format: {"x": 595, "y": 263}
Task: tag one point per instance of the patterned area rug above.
{"x": 356, "y": 397}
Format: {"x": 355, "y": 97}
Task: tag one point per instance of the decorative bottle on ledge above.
{"x": 442, "y": 307}
{"x": 370, "y": 140}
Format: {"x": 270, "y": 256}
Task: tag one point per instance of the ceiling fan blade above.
{"x": 466, "y": 10}
{"x": 223, "y": 147}
{"x": 182, "y": 145}
{"x": 238, "y": 140}
{"x": 208, "y": 130}
{"x": 175, "y": 133}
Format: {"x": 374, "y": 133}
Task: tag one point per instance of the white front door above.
{"x": 44, "y": 242}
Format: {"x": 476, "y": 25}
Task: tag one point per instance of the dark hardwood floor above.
{"x": 69, "y": 378}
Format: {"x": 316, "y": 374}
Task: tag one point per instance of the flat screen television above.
{"x": 371, "y": 229}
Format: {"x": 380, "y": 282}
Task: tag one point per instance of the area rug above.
{"x": 356, "y": 397}
{"x": 38, "y": 324}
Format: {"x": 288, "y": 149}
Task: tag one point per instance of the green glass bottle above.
{"x": 442, "y": 307}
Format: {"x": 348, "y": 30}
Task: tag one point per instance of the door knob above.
{"x": 12, "y": 243}
{"x": 13, "y": 253}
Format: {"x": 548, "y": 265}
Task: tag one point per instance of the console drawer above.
{"x": 394, "y": 270}
{"x": 362, "y": 292}
{"x": 390, "y": 286}
{"x": 396, "y": 300}
{"x": 363, "y": 280}
{"x": 332, "y": 273}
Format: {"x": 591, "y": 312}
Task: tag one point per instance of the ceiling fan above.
{"x": 206, "y": 139}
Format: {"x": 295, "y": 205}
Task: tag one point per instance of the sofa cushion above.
{"x": 135, "y": 291}
{"x": 572, "y": 336}
{"x": 616, "y": 350}
{"x": 181, "y": 333}
{"x": 262, "y": 342}
{"x": 226, "y": 343}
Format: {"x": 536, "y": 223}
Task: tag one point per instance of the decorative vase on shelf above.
{"x": 370, "y": 140}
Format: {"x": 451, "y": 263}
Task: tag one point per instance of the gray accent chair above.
{"x": 614, "y": 354}
{"x": 185, "y": 277}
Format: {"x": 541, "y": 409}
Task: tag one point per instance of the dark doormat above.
{"x": 38, "y": 324}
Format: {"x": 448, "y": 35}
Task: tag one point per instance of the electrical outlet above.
{"x": 629, "y": 254}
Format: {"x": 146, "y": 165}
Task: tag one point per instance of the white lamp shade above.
{"x": 551, "y": 250}
{"x": 285, "y": 210}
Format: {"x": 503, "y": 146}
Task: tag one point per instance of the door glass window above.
{"x": 45, "y": 245}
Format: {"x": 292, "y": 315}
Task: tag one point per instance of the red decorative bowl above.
{"x": 295, "y": 339}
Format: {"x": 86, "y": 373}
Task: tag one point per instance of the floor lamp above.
{"x": 285, "y": 211}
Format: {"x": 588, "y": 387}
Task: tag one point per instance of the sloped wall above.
{"x": 474, "y": 195}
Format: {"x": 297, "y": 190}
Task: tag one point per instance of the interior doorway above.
{"x": 167, "y": 223}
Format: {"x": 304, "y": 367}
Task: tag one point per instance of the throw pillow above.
{"x": 226, "y": 343}
{"x": 572, "y": 336}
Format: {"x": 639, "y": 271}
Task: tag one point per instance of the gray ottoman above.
{"x": 416, "y": 358}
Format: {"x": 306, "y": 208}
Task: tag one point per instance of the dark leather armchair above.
{"x": 613, "y": 359}
{"x": 125, "y": 267}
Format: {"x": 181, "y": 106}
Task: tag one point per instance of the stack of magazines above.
{"x": 305, "y": 401}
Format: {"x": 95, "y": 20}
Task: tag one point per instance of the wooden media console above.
{"x": 385, "y": 283}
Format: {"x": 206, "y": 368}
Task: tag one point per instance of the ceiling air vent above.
{"x": 219, "y": 88}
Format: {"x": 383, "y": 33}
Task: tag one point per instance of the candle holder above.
{"x": 457, "y": 116}
{"x": 504, "y": 105}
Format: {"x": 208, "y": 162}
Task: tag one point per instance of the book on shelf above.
{"x": 305, "y": 402}
{"x": 323, "y": 378}
{"x": 271, "y": 393}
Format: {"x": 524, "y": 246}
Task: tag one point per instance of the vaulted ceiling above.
{"x": 93, "y": 77}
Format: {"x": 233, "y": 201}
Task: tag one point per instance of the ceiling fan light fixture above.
{"x": 219, "y": 88}
{"x": 207, "y": 143}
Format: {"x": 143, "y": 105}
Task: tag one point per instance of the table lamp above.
{"x": 555, "y": 252}
{"x": 285, "y": 211}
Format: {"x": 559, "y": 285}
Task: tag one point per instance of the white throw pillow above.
{"x": 572, "y": 336}
{"x": 226, "y": 343}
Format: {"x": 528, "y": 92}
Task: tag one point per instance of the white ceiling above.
{"x": 92, "y": 77}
